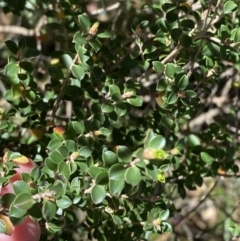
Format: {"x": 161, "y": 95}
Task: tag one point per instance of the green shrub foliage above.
{"x": 106, "y": 108}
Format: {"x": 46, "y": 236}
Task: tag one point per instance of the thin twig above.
{"x": 24, "y": 31}
{"x": 107, "y": 9}
{"x": 197, "y": 206}
{"x": 61, "y": 92}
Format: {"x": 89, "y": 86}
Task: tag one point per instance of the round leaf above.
{"x": 158, "y": 66}
{"x": 124, "y": 154}
{"x": 116, "y": 186}
{"x": 229, "y": 7}
{"x": 98, "y": 193}
{"x": 21, "y": 187}
{"x": 157, "y": 142}
{"x": 133, "y": 176}
{"x": 78, "y": 72}
{"x": 109, "y": 158}
{"x": 64, "y": 202}
{"x": 102, "y": 178}
{"x": 117, "y": 172}
{"x": 49, "y": 210}
{"x": 66, "y": 61}
{"x": 23, "y": 201}
{"x": 84, "y": 21}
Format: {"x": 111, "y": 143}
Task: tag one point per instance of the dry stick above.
{"x": 17, "y": 30}
{"x": 23, "y": 31}
{"x": 220, "y": 223}
{"x": 65, "y": 81}
{"x": 196, "y": 207}
{"x": 108, "y": 9}
{"x": 197, "y": 36}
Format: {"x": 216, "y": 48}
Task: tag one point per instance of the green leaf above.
{"x": 182, "y": 81}
{"x": 107, "y": 107}
{"x": 71, "y": 145}
{"x": 54, "y": 144}
{"x": 124, "y": 154}
{"x": 168, "y": 6}
{"x": 187, "y": 23}
{"x": 157, "y": 142}
{"x": 76, "y": 127}
{"x": 22, "y": 43}
{"x": 113, "y": 89}
{"x": 50, "y": 164}
{"x": 193, "y": 140}
{"x": 25, "y": 108}
{"x": 117, "y": 172}
{"x": 59, "y": 155}
{"x": 98, "y": 193}
{"x": 3, "y": 226}
{"x": 135, "y": 101}
{"x": 17, "y": 90}
{"x": 84, "y": 21}
{"x": 79, "y": 39}
{"x": 149, "y": 49}
{"x": 64, "y": 170}
{"x": 185, "y": 41}
{"x": 120, "y": 109}
{"x": 170, "y": 70}
{"x": 95, "y": 44}
{"x": 190, "y": 94}
{"x": 158, "y": 66}
{"x": 176, "y": 33}
{"x": 171, "y": 16}
{"x": 117, "y": 97}
{"x": 109, "y": 158}
{"x": 31, "y": 53}
{"x": 49, "y": 210}
{"x": 133, "y": 176}
{"x": 66, "y": 61}
{"x": 105, "y": 132}
{"x": 162, "y": 85}
{"x": 102, "y": 178}
{"x": 144, "y": 65}
{"x": 53, "y": 227}
{"x": 229, "y": 7}
{"x": 206, "y": 157}
{"x": 12, "y": 46}
{"x": 105, "y": 34}
{"x": 27, "y": 66}
{"x": 172, "y": 98}
{"x": 116, "y": 187}
{"x": 16, "y": 212}
{"x": 85, "y": 151}
{"x": 167, "y": 122}
{"x": 94, "y": 171}
{"x": 23, "y": 201}
{"x": 10, "y": 73}
{"x": 21, "y": 187}
{"x": 164, "y": 215}
{"x": 64, "y": 202}
{"x": 78, "y": 72}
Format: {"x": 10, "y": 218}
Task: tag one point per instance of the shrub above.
{"x": 114, "y": 106}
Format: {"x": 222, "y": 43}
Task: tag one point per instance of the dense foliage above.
{"x": 119, "y": 104}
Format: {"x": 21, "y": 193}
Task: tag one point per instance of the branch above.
{"x": 24, "y": 31}
{"x": 197, "y": 206}
{"x": 107, "y": 9}
{"x": 17, "y": 30}
{"x": 61, "y": 93}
